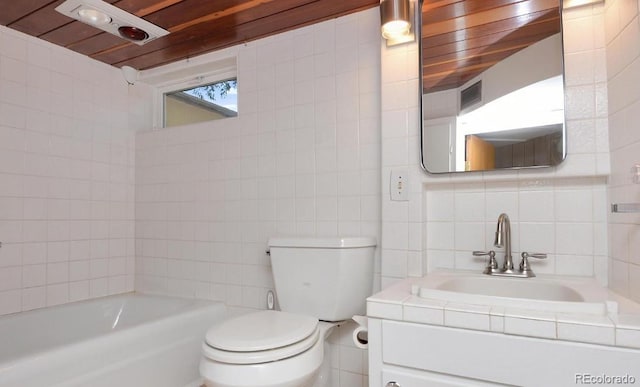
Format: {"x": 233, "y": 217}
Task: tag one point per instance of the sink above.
{"x": 548, "y": 291}
{"x": 583, "y": 296}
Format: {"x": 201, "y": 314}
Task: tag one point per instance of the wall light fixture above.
{"x": 396, "y": 17}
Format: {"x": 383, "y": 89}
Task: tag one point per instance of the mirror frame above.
{"x": 418, "y": 32}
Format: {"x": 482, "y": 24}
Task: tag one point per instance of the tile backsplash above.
{"x": 67, "y": 128}
{"x": 623, "y": 67}
{"x": 448, "y": 216}
{"x": 566, "y": 219}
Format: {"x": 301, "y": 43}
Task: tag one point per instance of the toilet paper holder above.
{"x": 361, "y": 332}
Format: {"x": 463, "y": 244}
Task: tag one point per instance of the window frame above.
{"x": 187, "y": 74}
{"x": 168, "y": 93}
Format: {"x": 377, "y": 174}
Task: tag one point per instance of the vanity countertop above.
{"x": 620, "y": 326}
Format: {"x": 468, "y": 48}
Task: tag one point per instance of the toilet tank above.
{"x": 328, "y": 278}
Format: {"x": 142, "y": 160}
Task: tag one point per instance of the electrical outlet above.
{"x": 399, "y": 185}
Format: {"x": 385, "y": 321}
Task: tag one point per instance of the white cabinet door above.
{"x": 500, "y": 358}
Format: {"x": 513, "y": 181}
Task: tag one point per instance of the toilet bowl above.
{"x": 264, "y": 349}
{"x": 316, "y": 280}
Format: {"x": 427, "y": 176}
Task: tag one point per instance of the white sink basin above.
{"x": 514, "y": 288}
{"x": 543, "y": 294}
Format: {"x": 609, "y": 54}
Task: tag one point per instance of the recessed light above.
{"x": 93, "y": 16}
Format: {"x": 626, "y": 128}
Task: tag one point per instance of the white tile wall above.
{"x": 302, "y": 158}
{"x": 560, "y": 211}
{"x": 568, "y": 235}
{"x": 623, "y": 65}
{"x": 67, "y": 173}
{"x": 308, "y": 155}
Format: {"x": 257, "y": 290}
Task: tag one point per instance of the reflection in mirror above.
{"x": 492, "y": 84}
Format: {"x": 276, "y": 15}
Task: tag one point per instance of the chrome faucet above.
{"x": 503, "y": 239}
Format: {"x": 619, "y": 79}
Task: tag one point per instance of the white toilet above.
{"x": 326, "y": 279}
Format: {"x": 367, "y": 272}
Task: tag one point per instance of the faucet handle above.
{"x": 533, "y": 255}
{"x": 491, "y": 253}
{"x": 492, "y": 265}
{"x": 524, "y": 263}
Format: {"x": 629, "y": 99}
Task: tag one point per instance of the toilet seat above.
{"x": 260, "y": 337}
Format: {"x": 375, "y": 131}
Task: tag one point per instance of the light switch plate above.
{"x": 399, "y": 185}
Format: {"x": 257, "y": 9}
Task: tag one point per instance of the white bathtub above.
{"x": 118, "y": 341}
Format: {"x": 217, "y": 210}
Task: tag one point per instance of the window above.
{"x": 212, "y": 101}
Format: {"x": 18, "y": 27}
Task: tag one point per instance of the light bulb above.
{"x": 395, "y": 29}
{"x": 94, "y": 17}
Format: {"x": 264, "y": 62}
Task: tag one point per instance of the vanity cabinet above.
{"x": 420, "y": 355}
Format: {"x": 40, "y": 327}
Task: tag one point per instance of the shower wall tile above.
{"x": 67, "y": 127}
{"x": 304, "y": 162}
{"x": 301, "y": 158}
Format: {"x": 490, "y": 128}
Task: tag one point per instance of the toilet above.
{"x": 319, "y": 282}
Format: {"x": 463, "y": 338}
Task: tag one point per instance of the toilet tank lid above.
{"x": 323, "y": 242}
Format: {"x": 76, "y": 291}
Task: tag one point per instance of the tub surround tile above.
{"x": 303, "y": 160}
{"x": 74, "y": 183}
{"x": 10, "y": 301}
{"x": 34, "y": 298}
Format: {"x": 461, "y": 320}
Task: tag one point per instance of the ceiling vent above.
{"x": 112, "y": 19}
{"x": 470, "y": 96}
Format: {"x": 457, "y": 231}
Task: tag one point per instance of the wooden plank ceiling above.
{"x": 463, "y": 38}
{"x": 195, "y": 26}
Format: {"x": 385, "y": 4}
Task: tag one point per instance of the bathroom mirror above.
{"x": 492, "y": 84}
